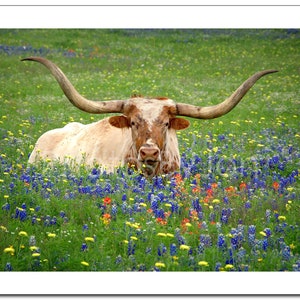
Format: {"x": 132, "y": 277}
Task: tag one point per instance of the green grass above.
{"x": 256, "y": 144}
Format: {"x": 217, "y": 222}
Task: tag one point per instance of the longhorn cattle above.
{"x": 143, "y": 136}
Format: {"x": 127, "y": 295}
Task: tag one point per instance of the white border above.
{"x": 271, "y": 283}
{"x": 149, "y": 16}
{"x": 150, "y": 2}
{"x": 150, "y": 283}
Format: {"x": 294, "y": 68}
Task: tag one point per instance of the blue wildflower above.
{"x": 8, "y": 267}
{"x": 161, "y": 250}
{"x": 84, "y": 247}
{"x": 173, "y": 249}
{"x": 286, "y": 253}
{"x": 131, "y": 248}
{"x": 267, "y": 231}
{"x": 268, "y": 215}
{"x": 221, "y": 243}
{"x": 118, "y": 259}
{"x": 20, "y": 214}
{"x": 6, "y": 206}
{"x": 248, "y": 204}
{"x": 218, "y": 266}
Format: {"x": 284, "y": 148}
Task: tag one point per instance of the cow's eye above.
{"x": 167, "y": 124}
{"x": 132, "y": 123}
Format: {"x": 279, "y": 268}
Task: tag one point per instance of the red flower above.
{"x": 275, "y": 185}
{"x": 196, "y": 189}
{"x": 106, "y": 216}
{"x": 209, "y": 193}
{"x": 107, "y": 200}
{"x": 243, "y": 186}
{"x": 161, "y": 221}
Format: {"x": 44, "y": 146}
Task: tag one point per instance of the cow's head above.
{"x": 150, "y": 120}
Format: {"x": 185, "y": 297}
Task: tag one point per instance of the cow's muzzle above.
{"x": 149, "y": 155}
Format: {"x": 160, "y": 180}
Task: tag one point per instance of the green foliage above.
{"x": 234, "y": 205}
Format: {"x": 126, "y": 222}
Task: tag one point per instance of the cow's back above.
{"x": 76, "y": 143}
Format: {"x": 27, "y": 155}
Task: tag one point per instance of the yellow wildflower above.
{"x": 161, "y": 234}
{"x": 229, "y": 267}
{"x": 281, "y": 218}
{"x": 23, "y": 233}
{"x": 184, "y": 247}
{"x": 36, "y": 254}
{"x": 134, "y": 238}
{"x": 170, "y": 235}
{"x": 3, "y": 228}
{"x": 262, "y": 233}
{"x": 216, "y": 201}
{"x": 51, "y": 235}
{"x": 84, "y": 263}
{"x": 203, "y": 263}
{"x": 89, "y": 239}
{"x": 10, "y": 250}
{"x": 160, "y": 265}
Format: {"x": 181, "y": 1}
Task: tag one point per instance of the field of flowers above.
{"x": 233, "y": 206}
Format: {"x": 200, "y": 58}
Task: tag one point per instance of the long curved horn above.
{"x": 215, "y": 111}
{"x": 99, "y": 107}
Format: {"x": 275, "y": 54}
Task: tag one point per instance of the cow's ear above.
{"x": 119, "y": 121}
{"x": 179, "y": 123}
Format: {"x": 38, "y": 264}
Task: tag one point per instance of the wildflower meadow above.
{"x": 234, "y": 205}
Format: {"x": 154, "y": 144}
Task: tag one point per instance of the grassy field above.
{"x": 233, "y": 206}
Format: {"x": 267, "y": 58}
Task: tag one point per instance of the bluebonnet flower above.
{"x": 296, "y": 266}
{"x": 173, "y": 249}
{"x": 124, "y": 207}
{"x": 268, "y": 215}
{"x": 114, "y": 210}
{"x": 226, "y": 200}
{"x": 205, "y": 239}
{"x": 204, "y": 225}
{"x": 252, "y": 229}
{"x": 248, "y": 204}
{"x": 265, "y": 244}
{"x": 32, "y": 240}
{"x": 267, "y": 231}
{"x": 230, "y": 260}
{"x": 20, "y": 214}
{"x": 154, "y": 203}
{"x": 6, "y": 206}
{"x": 161, "y": 250}
{"x": 84, "y": 247}
{"x": 221, "y": 241}
{"x": 131, "y": 248}
{"x": 286, "y": 253}
{"x": 200, "y": 249}
{"x": 53, "y": 221}
{"x": 179, "y": 237}
{"x": 8, "y": 267}
{"x": 218, "y": 266}
{"x": 234, "y": 242}
{"x": 212, "y": 217}
{"x": 118, "y": 259}
{"x": 241, "y": 254}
